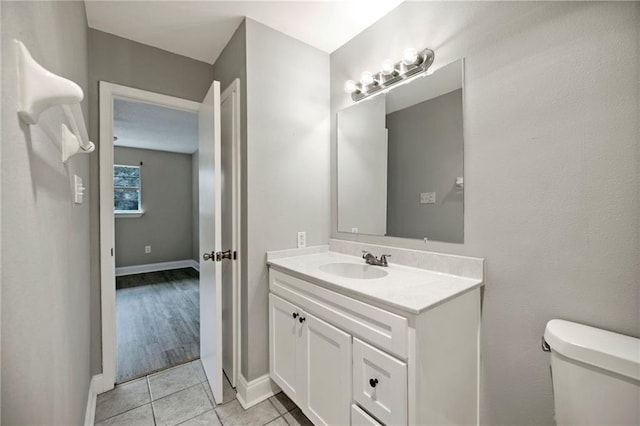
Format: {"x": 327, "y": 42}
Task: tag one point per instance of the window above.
{"x": 126, "y": 190}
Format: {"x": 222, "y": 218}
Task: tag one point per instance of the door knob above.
{"x": 209, "y": 256}
{"x": 373, "y": 382}
{"x": 295, "y": 315}
{"x": 223, "y": 255}
{"x": 302, "y": 319}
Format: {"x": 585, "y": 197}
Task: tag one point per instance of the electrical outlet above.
{"x": 427, "y": 198}
{"x": 354, "y": 230}
{"x": 302, "y": 239}
{"x": 147, "y": 249}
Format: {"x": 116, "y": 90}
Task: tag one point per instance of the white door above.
{"x": 210, "y": 182}
{"x": 326, "y": 351}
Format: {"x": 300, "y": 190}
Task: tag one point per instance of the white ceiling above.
{"x": 201, "y": 29}
{"x": 146, "y": 126}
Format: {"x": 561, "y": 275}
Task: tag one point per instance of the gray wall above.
{"x": 425, "y": 155}
{"x": 232, "y": 64}
{"x": 126, "y": 62}
{"x": 287, "y": 167}
{"x": 552, "y": 188}
{"x": 45, "y": 237}
{"x": 167, "y": 223}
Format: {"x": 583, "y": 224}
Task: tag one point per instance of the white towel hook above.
{"x": 40, "y": 89}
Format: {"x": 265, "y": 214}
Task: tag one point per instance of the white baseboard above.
{"x": 255, "y": 391}
{"x": 154, "y": 267}
{"x": 195, "y": 265}
{"x": 95, "y": 387}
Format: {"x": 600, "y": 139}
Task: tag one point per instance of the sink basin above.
{"x": 353, "y": 270}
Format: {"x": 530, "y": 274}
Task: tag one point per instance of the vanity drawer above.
{"x": 380, "y": 383}
{"x": 382, "y": 328}
{"x": 360, "y": 418}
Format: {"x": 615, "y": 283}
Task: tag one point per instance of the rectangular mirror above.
{"x": 400, "y": 160}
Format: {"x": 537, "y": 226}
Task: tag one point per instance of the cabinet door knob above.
{"x": 373, "y": 382}
{"x": 295, "y": 315}
{"x": 302, "y": 319}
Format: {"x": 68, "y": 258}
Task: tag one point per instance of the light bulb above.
{"x": 366, "y": 78}
{"x": 409, "y": 56}
{"x": 388, "y": 67}
{"x": 350, "y": 86}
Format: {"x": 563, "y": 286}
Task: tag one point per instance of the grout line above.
{"x": 183, "y": 389}
{"x": 218, "y": 416}
{"x": 197, "y": 415}
{"x": 153, "y": 411}
{"x": 213, "y": 403}
{"x": 274, "y": 405}
{"x": 277, "y": 411}
{"x": 130, "y": 409}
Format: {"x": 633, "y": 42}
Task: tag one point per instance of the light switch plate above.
{"x": 78, "y": 189}
{"x": 427, "y": 198}
{"x": 302, "y": 239}
{"x": 147, "y": 249}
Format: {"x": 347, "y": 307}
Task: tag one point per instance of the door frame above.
{"x": 109, "y": 92}
{"x": 233, "y": 91}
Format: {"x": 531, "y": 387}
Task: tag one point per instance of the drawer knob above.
{"x": 373, "y": 382}
{"x": 302, "y": 319}
{"x": 295, "y": 315}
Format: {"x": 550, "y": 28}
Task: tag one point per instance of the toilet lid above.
{"x": 604, "y": 349}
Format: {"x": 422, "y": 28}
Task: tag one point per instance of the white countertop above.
{"x": 409, "y": 289}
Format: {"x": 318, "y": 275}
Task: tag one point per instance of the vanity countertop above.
{"x": 408, "y": 289}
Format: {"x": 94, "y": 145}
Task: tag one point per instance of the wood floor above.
{"x": 157, "y": 322}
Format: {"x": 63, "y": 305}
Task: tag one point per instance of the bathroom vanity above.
{"x": 367, "y": 345}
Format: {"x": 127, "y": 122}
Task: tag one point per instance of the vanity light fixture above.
{"x": 388, "y": 67}
{"x": 350, "y": 86}
{"x": 366, "y": 78}
{"x": 413, "y": 63}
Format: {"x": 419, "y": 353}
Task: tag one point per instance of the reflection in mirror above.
{"x": 400, "y": 160}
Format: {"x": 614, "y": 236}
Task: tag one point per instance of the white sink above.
{"x": 353, "y": 270}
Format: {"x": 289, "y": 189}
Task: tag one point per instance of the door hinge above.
{"x": 235, "y": 255}
{"x": 111, "y": 251}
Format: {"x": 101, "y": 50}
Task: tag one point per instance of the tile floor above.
{"x": 182, "y": 396}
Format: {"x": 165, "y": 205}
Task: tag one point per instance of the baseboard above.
{"x": 195, "y": 265}
{"x": 95, "y": 387}
{"x": 154, "y": 267}
{"x": 255, "y": 391}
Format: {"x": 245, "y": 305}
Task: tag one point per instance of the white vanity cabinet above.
{"x": 311, "y": 361}
{"x": 348, "y": 360}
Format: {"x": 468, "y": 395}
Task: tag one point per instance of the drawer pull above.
{"x": 373, "y": 382}
{"x": 302, "y": 319}
{"x": 295, "y": 315}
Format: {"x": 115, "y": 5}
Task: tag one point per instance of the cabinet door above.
{"x": 326, "y": 395}
{"x": 285, "y": 332}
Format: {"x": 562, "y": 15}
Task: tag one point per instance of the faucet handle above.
{"x": 365, "y": 253}
{"x": 383, "y": 259}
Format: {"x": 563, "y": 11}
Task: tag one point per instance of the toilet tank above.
{"x": 596, "y": 375}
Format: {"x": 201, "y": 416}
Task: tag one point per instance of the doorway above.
{"x": 155, "y": 184}
{"x": 155, "y": 279}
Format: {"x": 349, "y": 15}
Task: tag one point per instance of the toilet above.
{"x": 596, "y": 375}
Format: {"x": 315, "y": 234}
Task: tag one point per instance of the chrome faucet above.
{"x": 370, "y": 259}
